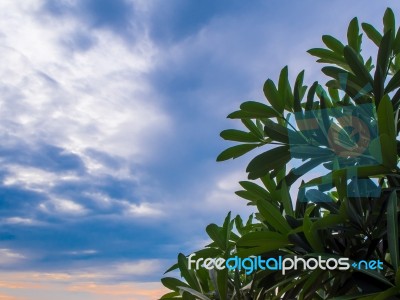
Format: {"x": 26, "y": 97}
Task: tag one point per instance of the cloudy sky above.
{"x": 110, "y": 113}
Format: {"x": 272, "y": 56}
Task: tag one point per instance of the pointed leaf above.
{"x": 260, "y": 238}
{"x": 327, "y": 55}
{"x": 240, "y": 114}
{"x": 333, "y": 44}
{"x": 273, "y": 216}
{"x": 372, "y": 33}
{"x": 393, "y": 230}
{"x": 222, "y": 282}
{"x": 284, "y": 89}
{"x": 389, "y": 21}
{"x": 353, "y": 35}
{"x": 216, "y": 235}
{"x": 286, "y": 199}
{"x": 236, "y": 151}
{"x": 267, "y": 161}
{"x": 271, "y": 93}
{"x": 297, "y": 92}
{"x": 258, "y": 110}
{"x": 194, "y": 293}
{"x": 276, "y": 132}
{"x": 382, "y": 65}
{"x": 394, "y": 83}
{"x": 396, "y": 43}
{"x": 239, "y": 136}
{"x": 172, "y": 283}
{"x": 189, "y": 275}
{"x": 387, "y": 132}
{"x": 310, "y": 96}
{"x": 357, "y": 66}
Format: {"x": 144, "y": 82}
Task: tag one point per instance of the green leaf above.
{"x": 273, "y": 216}
{"x": 328, "y": 221}
{"x": 271, "y": 93}
{"x": 396, "y": 43}
{"x": 353, "y": 35}
{"x": 226, "y": 230}
{"x": 389, "y": 21}
{"x": 327, "y": 55}
{"x": 372, "y": 33}
{"x": 355, "y": 296}
{"x": 249, "y": 221}
{"x": 172, "y": 283}
{"x": 297, "y": 96}
{"x": 286, "y": 199}
{"x": 236, "y": 151}
{"x": 393, "y": 291}
{"x": 194, "y": 293}
{"x": 393, "y": 230}
{"x": 222, "y": 282}
{"x": 215, "y": 233}
{"x": 208, "y": 252}
{"x": 397, "y": 278}
{"x": 258, "y": 110}
{"x": 310, "y": 96}
{"x": 255, "y": 189}
{"x": 333, "y": 44}
{"x": 239, "y": 136}
{"x": 276, "y": 132}
{"x": 189, "y": 275}
{"x": 239, "y": 224}
{"x": 394, "y": 83}
{"x": 187, "y": 296}
{"x": 291, "y": 285}
{"x": 315, "y": 195}
{"x": 311, "y": 235}
{"x": 368, "y": 64}
{"x": 275, "y": 158}
{"x": 260, "y": 238}
{"x": 387, "y": 132}
{"x": 383, "y": 60}
{"x": 305, "y": 152}
{"x": 284, "y": 89}
{"x": 169, "y": 296}
{"x": 268, "y": 182}
{"x": 240, "y": 114}
{"x": 298, "y": 172}
{"x": 173, "y": 267}
{"x": 253, "y": 128}
{"x": 266, "y": 247}
{"x": 248, "y": 196}
{"x": 357, "y": 66}
{"x": 344, "y": 77}
{"x": 312, "y": 281}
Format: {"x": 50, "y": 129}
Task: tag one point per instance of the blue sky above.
{"x": 110, "y": 114}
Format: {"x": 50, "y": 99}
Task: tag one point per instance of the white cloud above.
{"x": 62, "y": 206}
{"x": 143, "y": 210}
{"x": 82, "y": 252}
{"x": 222, "y": 197}
{"x": 34, "y": 178}
{"x": 140, "y": 268}
{"x": 96, "y": 98}
{"x": 21, "y": 221}
{"x": 8, "y": 257}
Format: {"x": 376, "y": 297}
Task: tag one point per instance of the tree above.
{"x": 347, "y": 128}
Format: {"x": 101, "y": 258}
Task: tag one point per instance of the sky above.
{"x": 110, "y": 113}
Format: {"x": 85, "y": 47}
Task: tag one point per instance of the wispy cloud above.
{"x": 109, "y": 119}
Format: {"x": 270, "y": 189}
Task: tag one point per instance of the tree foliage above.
{"x": 351, "y": 211}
